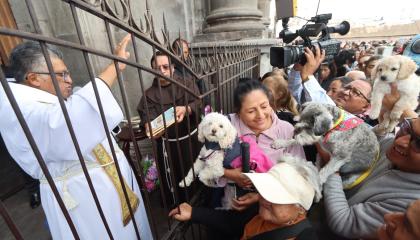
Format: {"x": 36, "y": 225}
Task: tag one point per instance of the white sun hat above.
{"x": 283, "y": 184}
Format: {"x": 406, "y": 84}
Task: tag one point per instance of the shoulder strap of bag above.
{"x": 284, "y": 233}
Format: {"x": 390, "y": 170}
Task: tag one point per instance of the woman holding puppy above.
{"x": 254, "y": 118}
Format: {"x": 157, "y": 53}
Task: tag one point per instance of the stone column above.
{"x": 232, "y": 20}
{"x": 264, "y": 7}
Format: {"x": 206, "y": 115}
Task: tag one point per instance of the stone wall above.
{"x": 187, "y": 18}
{"x": 384, "y": 31}
{"x": 56, "y": 20}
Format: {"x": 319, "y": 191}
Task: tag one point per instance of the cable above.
{"x": 317, "y": 8}
{"x": 302, "y": 18}
{"x": 316, "y": 13}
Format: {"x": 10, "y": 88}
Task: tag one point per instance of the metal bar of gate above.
{"x": 67, "y": 119}
{"x": 36, "y": 152}
{"x": 165, "y": 144}
{"x": 223, "y": 67}
{"x": 125, "y": 104}
{"x": 81, "y": 39}
{"x": 41, "y": 38}
{"x": 153, "y": 143}
{"x": 178, "y": 148}
{"x": 188, "y": 123}
{"x": 9, "y": 221}
{"x": 103, "y": 15}
{"x": 140, "y": 176}
{"x": 148, "y": 119}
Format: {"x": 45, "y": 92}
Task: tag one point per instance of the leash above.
{"x": 365, "y": 174}
{"x": 166, "y": 161}
{"x": 181, "y": 138}
{"x": 207, "y": 157}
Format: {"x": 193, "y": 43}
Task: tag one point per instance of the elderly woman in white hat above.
{"x": 286, "y": 192}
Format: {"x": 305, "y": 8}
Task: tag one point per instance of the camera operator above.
{"x": 302, "y": 82}
{"x": 354, "y": 97}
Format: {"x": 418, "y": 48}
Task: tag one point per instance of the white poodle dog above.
{"x": 219, "y": 135}
{"x": 400, "y": 70}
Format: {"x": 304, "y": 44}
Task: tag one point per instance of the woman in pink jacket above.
{"x": 255, "y": 119}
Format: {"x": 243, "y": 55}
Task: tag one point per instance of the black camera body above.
{"x": 284, "y": 56}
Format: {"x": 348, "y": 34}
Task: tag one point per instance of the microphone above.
{"x": 245, "y": 168}
{"x": 245, "y": 157}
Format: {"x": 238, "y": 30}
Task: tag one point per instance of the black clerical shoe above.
{"x": 35, "y": 200}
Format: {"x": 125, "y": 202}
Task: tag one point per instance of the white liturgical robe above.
{"x": 46, "y": 122}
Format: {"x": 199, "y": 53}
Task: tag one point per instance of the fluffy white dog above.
{"x": 400, "y": 70}
{"x": 214, "y": 129}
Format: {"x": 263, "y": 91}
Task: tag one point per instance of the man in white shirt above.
{"x": 37, "y": 100}
{"x": 354, "y": 98}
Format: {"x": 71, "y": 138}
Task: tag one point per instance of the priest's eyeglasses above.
{"x": 65, "y": 75}
{"x": 161, "y": 68}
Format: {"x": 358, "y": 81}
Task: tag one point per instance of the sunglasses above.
{"x": 406, "y": 128}
{"x": 355, "y": 92}
{"x": 165, "y": 67}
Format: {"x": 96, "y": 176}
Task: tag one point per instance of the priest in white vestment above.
{"x": 40, "y": 107}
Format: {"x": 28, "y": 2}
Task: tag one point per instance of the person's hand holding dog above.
{"x": 389, "y": 101}
{"x": 245, "y": 201}
{"x": 240, "y": 179}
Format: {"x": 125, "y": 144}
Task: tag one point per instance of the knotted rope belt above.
{"x": 105, "y": 162}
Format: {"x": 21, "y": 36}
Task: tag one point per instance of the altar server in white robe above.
{"x": 39, "y": 104}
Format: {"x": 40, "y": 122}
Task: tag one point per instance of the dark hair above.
{"x": 28, "y": 56}
{"x": 331, "y": 67}
{"x": 373, "y": 58}
{"x": 245, "y": 86}
{"x": 344, "y": 57}
{"x": 157, "y": 54}
{"x": 344, "y": 80}
{"x": 266, "y": 75}
{"x": 176, "y": 45}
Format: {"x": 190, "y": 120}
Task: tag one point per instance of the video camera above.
{"x": 284, "y": 56}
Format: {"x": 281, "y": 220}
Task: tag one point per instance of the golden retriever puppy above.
{"x": 398, "y": 69}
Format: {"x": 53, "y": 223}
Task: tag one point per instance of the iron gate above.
{"x": 218, "y": 66}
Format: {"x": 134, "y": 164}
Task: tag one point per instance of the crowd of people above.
{"x": 385, "y": 205}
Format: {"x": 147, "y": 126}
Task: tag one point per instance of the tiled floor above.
{"x": 31, "y": 222}
{"x": 33, "y": 226}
